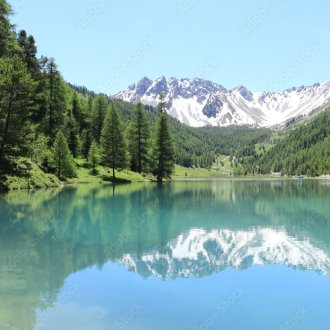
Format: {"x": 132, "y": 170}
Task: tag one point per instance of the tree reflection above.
{"x": 47, "y": 235}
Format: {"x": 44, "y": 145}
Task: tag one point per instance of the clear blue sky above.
{"x": 108, "y": 44}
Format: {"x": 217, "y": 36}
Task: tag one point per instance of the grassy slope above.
{"x": 221, "y": 168}
{"x": 104, "y": 174}
{"x": 28, "y": 176}
{"x": 85, "y": 174}
{"x": 31, "y": 176}
{"x": 35, "y": 178}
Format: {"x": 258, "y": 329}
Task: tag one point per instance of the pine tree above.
{"x": 16, "y": 87}
{"x": 112, "y": 142}
{"x": 87, "y": 139}
{"x": 72, "y": 133}
{"x": 94, "y": 156}
{"x": 29, "y": 53}
{"x": 56, "y": 100}
{"x": 39, "y": 148}
{"x": 62, "y": 158}
{"x": 8, "y": 44}
{"x": 78, "y": 113}
{"x": 40, "y": 97}
{"x": 139, "y": 140}
{"x": 100, "y": 107}
{"x": 163, "y": 149}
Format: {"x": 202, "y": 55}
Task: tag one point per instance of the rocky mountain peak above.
{"x": 198, "y": 102}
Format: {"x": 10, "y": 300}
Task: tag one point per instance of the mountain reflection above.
{"x": 179, "y": 230}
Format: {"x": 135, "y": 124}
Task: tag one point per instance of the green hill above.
{"x": 303, "y": 151}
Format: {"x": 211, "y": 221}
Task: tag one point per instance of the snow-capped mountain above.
{"x": 199, "y": 253}
{"x": 198, "y": 102}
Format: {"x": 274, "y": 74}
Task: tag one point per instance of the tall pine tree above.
{"x": 72, "y": 133}
{"x": 56, "y": 100}
{"x": 16, "y": 87}
{"x": 139, "y": 140}
{"x": 100, "y": 107}
{"x": 8, "y": 43}
{"x": 113, "y": 143}
{"x": 163, "y": 149}
{"x": 78, "y": 113}
{"x": 29, "y": 53}
{"x": 86, "y": 141}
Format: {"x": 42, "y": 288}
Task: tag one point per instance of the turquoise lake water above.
{"x": 185, "y": 255}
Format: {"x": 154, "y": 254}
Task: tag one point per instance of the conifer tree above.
{"x": 86, "y": 141}
{"x": 113, "y": 143}
{"x": 16, "y": 87}
{"x": 39, "y": 148}
{"x": 72, "y": 133}
{"x": 94, "y": 156}
{"x": 62, "y": 158}
{"x": 100, "y": 107}
{"x": 139, "y": 140}
{"x": 56, "y": 100}
{"x": 29, "y": 53}
{"x": 163, "y": 149}
{"x": 40, "y": 97}
{"x": 78, "y": 113}
{"x": 7, "y": 39}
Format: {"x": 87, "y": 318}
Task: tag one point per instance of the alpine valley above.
{"x": 176, "y": 203}
{"x": 52, "y": 131}
{"x": 197, "y": 102}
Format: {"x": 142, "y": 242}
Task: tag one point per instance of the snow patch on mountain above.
{"x": 197, "y": 102}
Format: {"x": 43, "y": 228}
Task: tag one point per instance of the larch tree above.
{"x": 29, "y": 53}
{"x": 56, "y": 100}
{"x": 99, "y": 110}
{"x": 72, "y": 133}
{"x": 16, "y": 88}
{"x": 62, "y": 158}
{"x": 113, "y": 144}
{"x": 78, "y": 112}
{"x": 8, "y": 43}
{"x": 94, "y": 156}
{"x": 163, "y": 148}
{"x": 139, "y": 142}
{"x": 86, "y": 141}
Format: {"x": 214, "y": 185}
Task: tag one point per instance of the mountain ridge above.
{"x": 198, "y": 102}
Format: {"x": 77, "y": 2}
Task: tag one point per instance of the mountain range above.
{"x": 197, "y": 102}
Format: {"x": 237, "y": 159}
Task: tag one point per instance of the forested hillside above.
{"x": 194, "y": 146}
{"x": 46, "y": 123}
{"x": 304, "y": 151}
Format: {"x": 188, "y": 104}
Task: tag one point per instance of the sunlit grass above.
{"x": 86, "y": 175}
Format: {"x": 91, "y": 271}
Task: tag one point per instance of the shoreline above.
{"x": 175, "y": 179}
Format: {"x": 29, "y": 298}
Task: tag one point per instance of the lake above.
{"x": 183, "y": 255}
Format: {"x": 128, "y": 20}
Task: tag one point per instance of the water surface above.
{"x": 185, "y": 255}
